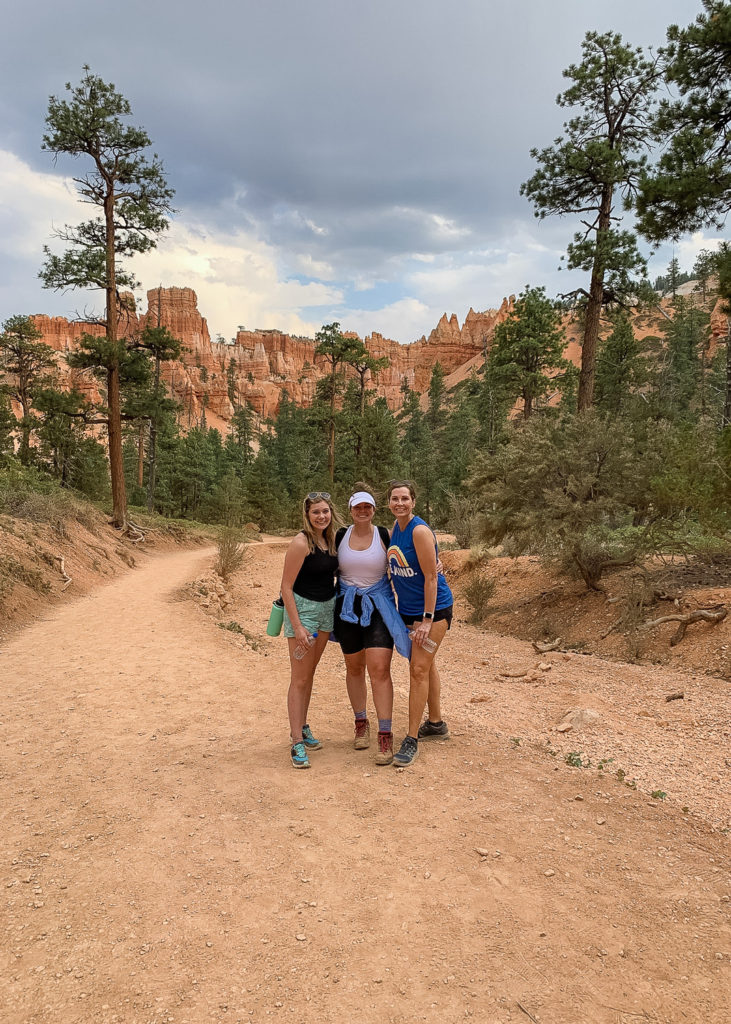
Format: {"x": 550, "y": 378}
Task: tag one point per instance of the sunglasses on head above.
{"x": 319, "y": 496}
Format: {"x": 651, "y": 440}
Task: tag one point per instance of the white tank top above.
{"x": 361, "y": 568}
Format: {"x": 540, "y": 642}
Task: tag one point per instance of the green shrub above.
{"x": 478, "y": 591}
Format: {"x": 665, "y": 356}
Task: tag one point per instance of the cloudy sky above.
{"x": 332, "y": 159}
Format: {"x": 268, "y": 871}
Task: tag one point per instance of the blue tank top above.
{"x": 406, "y": 575}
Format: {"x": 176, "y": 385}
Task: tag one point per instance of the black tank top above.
{"x": 316, "y": 578}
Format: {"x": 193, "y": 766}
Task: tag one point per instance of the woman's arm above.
{"x": 424, "y": 544}
{"x": 296, "y": 554}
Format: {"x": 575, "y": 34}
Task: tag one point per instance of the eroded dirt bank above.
{"x": 161, "y": 861}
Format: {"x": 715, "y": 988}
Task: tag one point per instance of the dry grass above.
{"x": 232, "y": 553}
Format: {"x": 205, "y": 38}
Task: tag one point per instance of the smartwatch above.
{"x": 429, "y": 616}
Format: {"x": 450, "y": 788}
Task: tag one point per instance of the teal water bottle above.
{"x": 276, "y": 617}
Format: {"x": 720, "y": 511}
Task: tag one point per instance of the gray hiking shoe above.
{"x": 433, "y": 730}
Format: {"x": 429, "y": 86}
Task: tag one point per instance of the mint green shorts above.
{"x": 315, "y": 616}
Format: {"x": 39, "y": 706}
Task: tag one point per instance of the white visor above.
{"x": 361, "y": 496}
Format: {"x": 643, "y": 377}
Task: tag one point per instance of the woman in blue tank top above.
{"x": 425, "y": 604}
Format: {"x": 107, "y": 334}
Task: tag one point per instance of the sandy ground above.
{"x": 160, "y": 860}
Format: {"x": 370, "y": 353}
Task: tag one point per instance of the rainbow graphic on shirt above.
{"x": 398, "y": 563}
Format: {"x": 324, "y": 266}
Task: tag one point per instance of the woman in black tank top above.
{"x": 308, "y": 592}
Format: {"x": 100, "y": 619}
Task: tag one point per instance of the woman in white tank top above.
{"x": 362, "y": 563}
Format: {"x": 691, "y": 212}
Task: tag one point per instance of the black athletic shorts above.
{"x": 353, "y": 637}
{"x": 443, "y": 613}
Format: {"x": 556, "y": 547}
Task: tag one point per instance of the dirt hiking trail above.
{"x": 161, "y": 861}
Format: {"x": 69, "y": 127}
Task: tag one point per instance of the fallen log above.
{"x": 550, "y": 645}
{"x": 67, "y": 580}
{"x": 713, "y": 615}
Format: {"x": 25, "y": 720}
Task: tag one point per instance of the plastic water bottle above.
{"x": 303, "y": 647}
{"x": 428, "y": 645}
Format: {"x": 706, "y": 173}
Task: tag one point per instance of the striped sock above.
{"x": 384, "y": 724}
{"x": 360, "y": 716}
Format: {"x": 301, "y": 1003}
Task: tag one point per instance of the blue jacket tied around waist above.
{"x": 380, "y": 597}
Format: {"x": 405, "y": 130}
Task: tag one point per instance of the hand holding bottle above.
{"x": 426, "y": 642}
{"x": 304, "y": 646}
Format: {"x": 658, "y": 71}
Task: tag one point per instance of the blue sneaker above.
{"x": 299, "y": 756}
{"x": 309, "y": 740}
{"x": 407, "y": 754}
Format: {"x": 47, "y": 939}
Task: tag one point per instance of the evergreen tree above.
{"x": 493, "y": 404}
{"x": 380, "y": 455}
{"x": 337, "y": 351}
{"x": 226, "y": 502}
{"x": 7, "y": 426}
{"x": 267, "y": 502}
{"x": 298, "y": 456}
{"x": 528, "y": 348}
{"x": 680, "y": 386}
{"x": 161, "y": 346}
{"x": 418, "y": 453}
{"x": 690, "y": 187}
{"x": 437, "y": 397}
{"x": 231, "y": 383}
{"x": 131, "y": 192}
{"x": 239, "y": 443}
{"x": 703, "y": 269}
{"x": 574, "y": 489}
{"x": 595, "y": 166}
{"x": 73, "y": 458}
{"x": 673, "y": 276}
{"x": 620, "y": 368}
{"x": 24, "y": 363}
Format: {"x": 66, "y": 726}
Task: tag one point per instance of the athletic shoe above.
{"x": 299, "y": 756}
{"x": 362, "y": 734}
{"x": 433, "y": 730}
{"x": 408, "y": 753}
{"x": 309, "y": 740}
{"x": 385, "y": 748}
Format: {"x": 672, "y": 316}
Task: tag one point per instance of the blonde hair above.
{"x": 332, "y": 527}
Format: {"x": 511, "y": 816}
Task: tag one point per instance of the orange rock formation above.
{"x": 260, "y": 365}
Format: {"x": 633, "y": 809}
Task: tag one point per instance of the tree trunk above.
{"x": 141, "y": 455}
{"x": 114, "y": 400}
{"x": 116, "y": 464}
{"x": 726, "y": 421}
{"x": 331, "y": 440}
{"x": 594, "y": 309}
{"x": 331, "y": 451}
{"x": 153, "y": 429}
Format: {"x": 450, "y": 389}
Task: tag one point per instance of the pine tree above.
{"x": 703, "y": 269}
{"x": 595, "y": 166}
{"x": 690, "y": 187}
{"x": 134, "y": 199}
{"x": 25, "y": 362}
{"x": 239, "y": 443}
{"x": 680, "y": 378}
{"x": 528, "y": 348}
{"x": 620, "y": 368}
{"x": 161, "y": 346}
{"x": 337, "y": 351}
{"x": 7, "y": 426}
{"x": 673, "y": 276}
